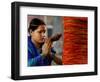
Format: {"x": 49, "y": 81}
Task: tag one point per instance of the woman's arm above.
{"x": 38, "y": 60}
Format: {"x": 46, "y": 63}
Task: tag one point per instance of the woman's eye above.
{"x": 44, "y": 32}
{"x": 39, "y": 32}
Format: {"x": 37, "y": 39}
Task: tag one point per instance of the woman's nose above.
{"x": 43, "y": 34}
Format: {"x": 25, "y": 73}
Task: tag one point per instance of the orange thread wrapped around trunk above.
{"x": 75, "y": 40}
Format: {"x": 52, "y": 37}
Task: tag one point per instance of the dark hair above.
{"x": 35, "y": 23}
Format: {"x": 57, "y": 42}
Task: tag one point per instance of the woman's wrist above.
{"x": 43, "y": 55}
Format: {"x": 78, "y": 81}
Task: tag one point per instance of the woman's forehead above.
{"x": 42, "y": 27}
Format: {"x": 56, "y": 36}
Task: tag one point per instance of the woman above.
{"x": 40, "y": 51}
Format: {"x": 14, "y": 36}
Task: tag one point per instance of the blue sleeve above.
{"x": 34, "y": 61}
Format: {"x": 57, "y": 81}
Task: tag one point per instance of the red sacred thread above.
{"x": 75, "y": 40}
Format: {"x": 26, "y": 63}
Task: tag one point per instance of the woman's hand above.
{"x": 46, "y": 49}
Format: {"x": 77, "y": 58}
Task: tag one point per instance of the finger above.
{"x": 48, "y": 42}
{"x": 49, "y": 45}
{"x": 46, "y": 39}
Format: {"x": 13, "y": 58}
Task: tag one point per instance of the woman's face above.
{"x": 38, "y": 35}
